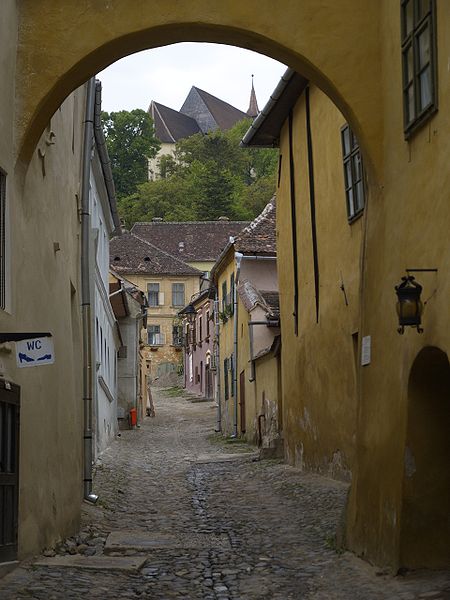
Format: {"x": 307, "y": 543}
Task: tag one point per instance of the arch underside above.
{"x": 330, "y": 43}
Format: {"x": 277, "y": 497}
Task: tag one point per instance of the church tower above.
{"x": 253, "y": 110}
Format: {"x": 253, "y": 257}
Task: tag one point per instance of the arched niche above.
{"x": 425, "y": 519}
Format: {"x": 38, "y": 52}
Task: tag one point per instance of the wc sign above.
{"x": 35, "y": 352}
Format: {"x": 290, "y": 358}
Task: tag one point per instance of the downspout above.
{"x": 89, "y": 496}
{"x": 237, "y": 258}
{"x": 217, "y": 355}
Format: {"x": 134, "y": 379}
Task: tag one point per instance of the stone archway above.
{"x": 335, "y": 44}
{"x": 425, "y": 520}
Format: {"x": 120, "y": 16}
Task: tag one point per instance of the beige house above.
{"x": 168, "y": 283}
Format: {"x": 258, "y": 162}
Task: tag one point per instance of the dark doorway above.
{"x": 242, "y": 400}
{"x": 208, "y": 380}
{"x": 425, "y": 519}
{"x": 9, "y": 469}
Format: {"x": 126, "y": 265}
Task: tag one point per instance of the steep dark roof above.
{"x": 171, "y": 125}
{"x": 253, "y": 110}
{"x": 190, "y": 240}
{"x": 251, "y": 296}
{"x": 223, "y": 114}
{"x": 259, "y": 237}
{"x": 131, "y": 254}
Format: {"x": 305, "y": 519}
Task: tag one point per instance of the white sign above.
{"x": 366, "y": 350}
{"x": 35, "y": 352}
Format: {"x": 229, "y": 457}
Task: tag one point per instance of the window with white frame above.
{"x": 155, "y": 337}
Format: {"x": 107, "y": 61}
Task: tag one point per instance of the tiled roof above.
{"x": 251, "y": 297}
{"x": 259, "y": 237}
{"x": 190, "y": 240}
{"x": 131, "y": 254}
{"x": 224, "y": 114}
{"x": 171, "y": 125}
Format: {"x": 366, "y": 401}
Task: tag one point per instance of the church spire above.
{"x": 253, "y": 110}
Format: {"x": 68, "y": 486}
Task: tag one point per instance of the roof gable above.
{"x": 209, "y": 111}
{"x": 171, "y": 125}
{"x": 259, "y": 237}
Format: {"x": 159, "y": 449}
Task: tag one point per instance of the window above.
{"x": 177, "y": 294}
{"x": 232, "y": 293}
{"x": 353, "y": 173}
{"x": 224, "y": 296}
{"x": 225, "y": 379}
{"x": 177, "y": 335}
{"x": 153, "y": 294}
{"x": 200, "y": 329}
{"x": 2, "y": 240}
{"x": 418, "y": 61}
{"x": 207, "y": 323}
{"x": 155, "y": 337}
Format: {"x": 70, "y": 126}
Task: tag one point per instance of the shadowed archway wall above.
{"x": 61, "y": 45}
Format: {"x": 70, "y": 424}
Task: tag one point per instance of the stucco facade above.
{"x": 43, "y": 294}
{"x": 352, "y": 51}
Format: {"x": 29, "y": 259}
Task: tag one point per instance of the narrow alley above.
{"x": 183, "y": 514}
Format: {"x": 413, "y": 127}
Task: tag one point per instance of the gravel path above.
{"x": 209, "y": 526}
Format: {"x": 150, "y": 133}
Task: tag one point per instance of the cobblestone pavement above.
{"x": 239, "y": 529}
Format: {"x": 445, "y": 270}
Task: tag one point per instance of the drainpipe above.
{"x": 89, "y": 496}
{"x": 237, "y": 258}
{"x": 217, "y": 354}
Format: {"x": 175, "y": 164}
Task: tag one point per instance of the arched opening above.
{"x": 425, "y": 525}
{"x": 52, "y": 74}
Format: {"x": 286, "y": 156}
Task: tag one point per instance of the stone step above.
{"x": 129, "y": 564}
{"x": 124, "y": 541}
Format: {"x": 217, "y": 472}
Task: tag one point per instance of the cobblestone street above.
{"x": 195, "y": 518}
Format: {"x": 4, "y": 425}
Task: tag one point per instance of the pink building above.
{"x": 199, "y": 369}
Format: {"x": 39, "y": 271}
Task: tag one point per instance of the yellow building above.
{"x": 245, "y": 277}
{"x": 384, "y": 65}
{"x": 168, "y": 284}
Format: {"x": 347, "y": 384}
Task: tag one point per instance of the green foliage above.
{"x": 130, "y": 141}
{"x": 209, "y": 176}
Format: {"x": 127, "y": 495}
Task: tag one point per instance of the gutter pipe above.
{"x": 217, "y": 356}
{"x": 89, "y": 496}
{"x": 238, "y": 258}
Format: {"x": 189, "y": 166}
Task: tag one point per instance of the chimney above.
{"x": 223, "y": 219}
{"x": 157, "y": 219}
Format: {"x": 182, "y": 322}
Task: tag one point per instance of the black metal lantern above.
{"x": 189, "y": 312}
{"x": 409, "y": 304}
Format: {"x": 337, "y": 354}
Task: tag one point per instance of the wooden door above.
{"x": 9, "y": 469}
{"x": 242, "y": 400}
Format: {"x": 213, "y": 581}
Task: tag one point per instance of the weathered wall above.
{"x": 407, "y": 228}
{"x": 319, "y": 385}
{"x": 163, "y": 315}
{"x": 267, "y": 395}
{"x": 45, "y": 297}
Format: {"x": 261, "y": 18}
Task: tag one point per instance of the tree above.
{"x": 209, "y": 176}
{"x": 131, "y": 141}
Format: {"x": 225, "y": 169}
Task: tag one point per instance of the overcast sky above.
{"x": 167, "y": 74}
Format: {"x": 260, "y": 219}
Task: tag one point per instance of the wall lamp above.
{"x": 409, "y": 303}
{"x": 189, "y": 312}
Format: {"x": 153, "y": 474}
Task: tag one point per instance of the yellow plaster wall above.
{"x": 164, "y": 316}
{"x": 267, "y": 399}
{"x": 407, "y": 228}
{"x": 319, "y": 387}
{"x": 60, "y": 49}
